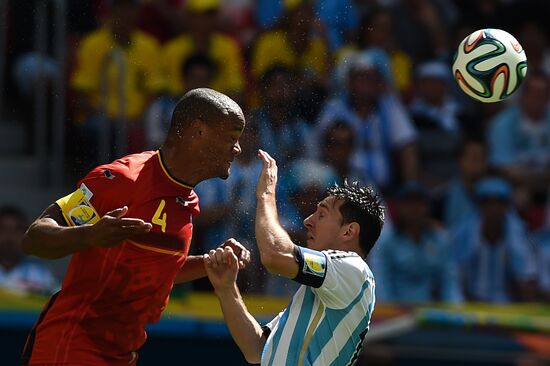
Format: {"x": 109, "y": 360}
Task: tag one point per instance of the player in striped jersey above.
{"x": 328, "y": 317}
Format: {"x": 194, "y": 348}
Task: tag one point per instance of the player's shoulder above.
{"x": 340, "y": 254}
{"x": 146, "y": 41}
{"x": 125, "y": 169}
{"x": 179, "y": 44}
{"x": 346, "y": 260}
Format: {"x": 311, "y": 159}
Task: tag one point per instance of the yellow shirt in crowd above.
{"x": 142, "y": 76}
{"x": 223, "y": 50}
{"x": 273, "y": 49}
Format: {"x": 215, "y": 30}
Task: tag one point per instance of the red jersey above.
{"x": 109, "y": 295}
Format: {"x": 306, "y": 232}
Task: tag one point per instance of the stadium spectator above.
{"x": 197, "y": 71}
{"x": 337, "y": 146}
{"x": 339, "y": 16}
{"x": 419, "y": 29}
{"x": 534, "y": 41}
{"x": 541, "y": 239}
{"x": 495, "y": 257}
{"x": 415, "y": 263}
{"x": 162, "y": 19}
{"x": 435, "y": 114}
{"x": 18, "y": 272}
{"x": 459, "y": 199}
{"x": 280, "y": 130}
{"x": 245, "y": 171}
{"x": 376, "y": 30}
{"x": 117, "y": 73}
{"x": 519, "y": 138}
{"x": 202, "y": 37}
{"x": 300, "y": 44}
{"x": 380, "y": 123}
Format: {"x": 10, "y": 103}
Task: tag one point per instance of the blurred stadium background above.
{"x": 332, "y": 88}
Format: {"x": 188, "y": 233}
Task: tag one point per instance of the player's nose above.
{"x": 308, "y": 222}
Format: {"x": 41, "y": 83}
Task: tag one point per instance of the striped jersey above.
{"x": 325, "y": 325}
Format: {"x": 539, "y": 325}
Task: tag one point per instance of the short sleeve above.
{"x": 102, "y": 190}
{"x": 268, "y": 328}
{"x": 346, "y": 276}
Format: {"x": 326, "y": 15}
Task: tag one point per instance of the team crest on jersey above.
{"x": 108, "y": 174}
{"x": 314, "y": 264}
{"x": 181, "y": 201}
{"x": 82, "y": 214}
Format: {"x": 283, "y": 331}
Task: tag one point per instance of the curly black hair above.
{"x": 362, "y": 205}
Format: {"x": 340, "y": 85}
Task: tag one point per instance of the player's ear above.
{"x": 351, "y": 231}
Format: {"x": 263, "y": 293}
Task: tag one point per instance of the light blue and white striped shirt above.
{"x": 326, "y": 325}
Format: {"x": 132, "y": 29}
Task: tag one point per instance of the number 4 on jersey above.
{"x": 157, "y": 219}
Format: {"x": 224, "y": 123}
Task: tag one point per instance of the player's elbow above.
{"x": 269, "y": 261}
{"x": 253, "y": 357}
{"x": 31, "y": 246}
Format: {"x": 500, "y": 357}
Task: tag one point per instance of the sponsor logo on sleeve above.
{"x": 82, "y": 214}
{"x": 314, "y": 264}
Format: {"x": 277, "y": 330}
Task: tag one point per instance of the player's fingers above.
{"x": 129, "y": 231}
{"x": 127, "y": 221}
{"x": 118, "y": 212}
{"x": 220, "y": 258}
{"x": 231, "y": 259}
{"x": 212, "y": 257}
{"x": 207, "y": 260}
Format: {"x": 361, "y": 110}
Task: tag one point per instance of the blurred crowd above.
{"x": 333, "y": 89}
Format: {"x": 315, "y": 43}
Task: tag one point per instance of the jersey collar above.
{"x": 170, "y": 176}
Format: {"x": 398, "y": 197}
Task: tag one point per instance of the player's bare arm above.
{"x": 49, "y": 236}
{"x": 277, "y": 251}
{"x": 222, "y": 266}
{"x": 194, "y": 268}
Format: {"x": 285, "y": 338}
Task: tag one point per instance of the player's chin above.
{"x": 225, "y": 173}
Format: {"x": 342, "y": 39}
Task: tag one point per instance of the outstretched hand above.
{"x": 114, "y": 228}
{"x": 267, "y": 182}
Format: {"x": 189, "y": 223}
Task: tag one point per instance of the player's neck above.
{"x": 188, "y": 171}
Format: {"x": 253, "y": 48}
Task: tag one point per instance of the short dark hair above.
{"x": 205, "y": 104}
{"x": 364, "y": 206}
{"x": 198, "y": 59}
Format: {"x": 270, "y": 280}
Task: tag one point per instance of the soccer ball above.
{"x": 489, "y": 65}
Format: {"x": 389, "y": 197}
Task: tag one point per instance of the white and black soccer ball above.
{"x": 489, "y": 65}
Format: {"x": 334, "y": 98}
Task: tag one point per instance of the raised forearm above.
{"x": 244, "y": 329}
{"x": 45, "y": 238}
{"x": 193, "y": 269}
{"x": 274, "y": 244}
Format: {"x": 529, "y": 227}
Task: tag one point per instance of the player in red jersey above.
{"x": 128, "y": 227}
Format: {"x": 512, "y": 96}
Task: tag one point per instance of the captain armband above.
{"x": 312, "y": 266}
{"x": 77, "y": 209}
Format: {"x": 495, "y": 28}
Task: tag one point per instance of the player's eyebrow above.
{"x": 324, "y": 205}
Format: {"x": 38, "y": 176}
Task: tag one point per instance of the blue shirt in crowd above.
{"x": 489, "y": 270}
{"x": 416, "y": 272}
